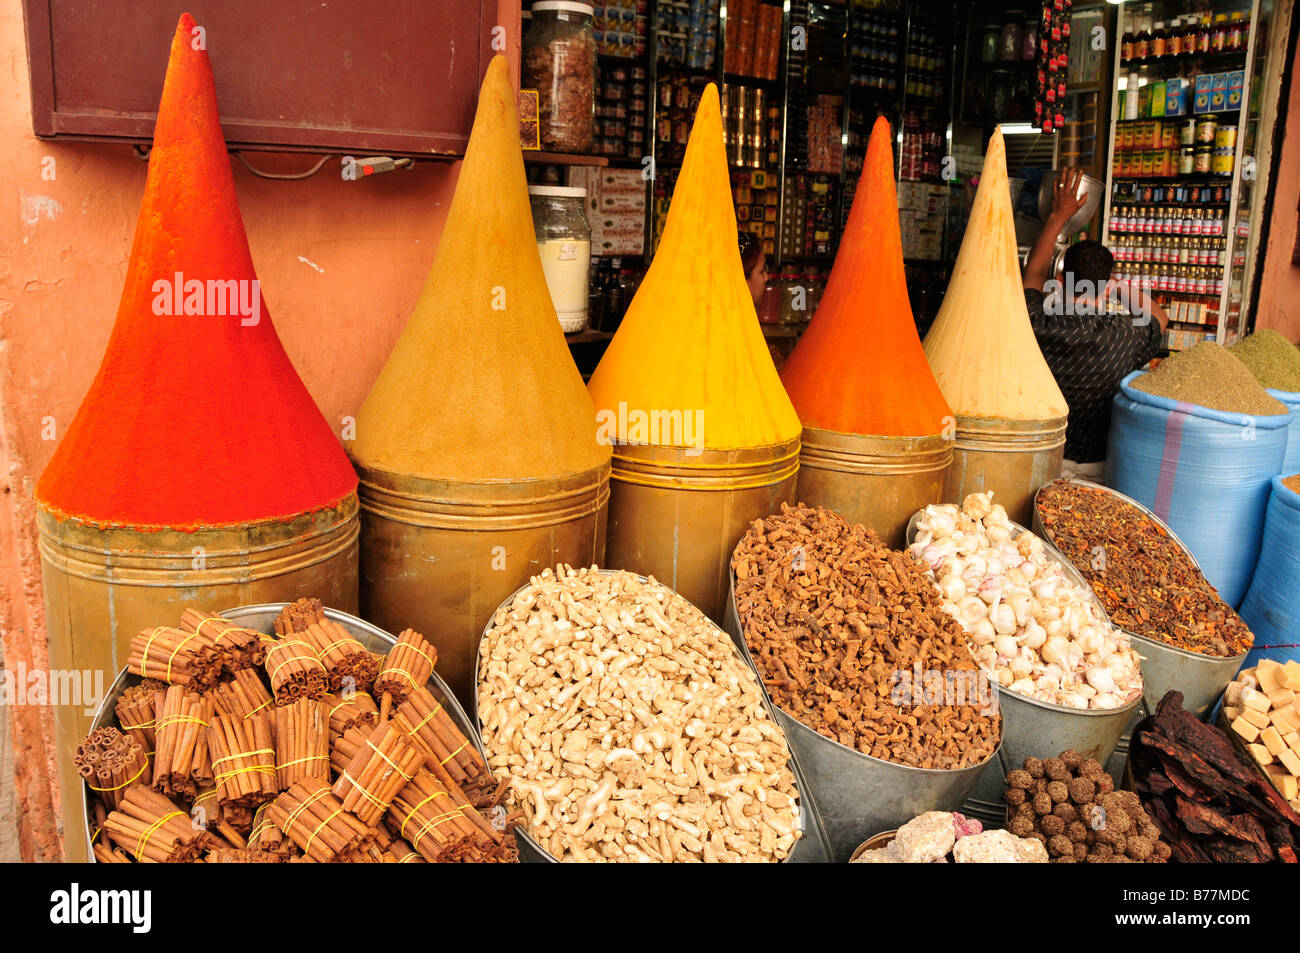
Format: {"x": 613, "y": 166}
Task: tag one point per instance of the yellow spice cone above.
{"x": 691, "y": 339}
{"x": 982, "y": 348}
{"x": 477, "y": 446}
{"x": 690, "y": 354}
{"x": 481, "y": 385}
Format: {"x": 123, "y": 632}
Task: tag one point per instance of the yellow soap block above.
{"x": 1292, "y": 740}
{"x": 1232, "y": 694}
{"x": 1285, "y": 719}
{"x": 1281, "y": 697}
{"x": 1231, "y": 713}
{"x": 1269, "y": 674}
{"x": 1260, "y": 753}
{"x": 1257, "y": 700}
{"x": 1272, "y": 741}
{"x": 1290, "y": 760}
{"x": 1288, "y": 784}
{"x": 1259, "y": 719}
{"x": 1245, "y": 729}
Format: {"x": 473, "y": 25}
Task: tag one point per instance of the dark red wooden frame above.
{"x": 392, "y": 77}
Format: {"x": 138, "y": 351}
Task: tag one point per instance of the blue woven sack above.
{"x": 1272, "y": 607}
{"x": 1292, "y": 462}
{"x": 1204, "y": 472}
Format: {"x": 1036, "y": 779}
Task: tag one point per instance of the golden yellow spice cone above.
{"x": 481, "y": 385}
{"x": 691, "y": 341}
{"x": 982, "y": 348}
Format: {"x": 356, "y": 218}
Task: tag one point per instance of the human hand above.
{"x": 1066, "y": 200}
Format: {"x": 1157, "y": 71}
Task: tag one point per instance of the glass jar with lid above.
{"x": 564, "y": 244}
{"x": 559, "y": 61}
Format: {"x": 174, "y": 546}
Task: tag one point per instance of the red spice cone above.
{"x": 859, "y": 367}
{"x": 194, "y": 419}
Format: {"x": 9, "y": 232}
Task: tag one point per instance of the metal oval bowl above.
{"x": 883, "y": 839}
{"x": 853, "y": 791}
{"x": 1040, "y": 729}
{"x": 261, "y": 617}
{"x": 1201, "y": 678}
{"x": 811, "y": 847}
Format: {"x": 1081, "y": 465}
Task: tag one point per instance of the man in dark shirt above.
{"x": 1093, "y": 331}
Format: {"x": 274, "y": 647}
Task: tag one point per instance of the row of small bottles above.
{"x": 1209, "y": 252}
{"x": 1196, "y": 222}
{"x": 1178, "y": 279}
{"x": 1185, "y": 36}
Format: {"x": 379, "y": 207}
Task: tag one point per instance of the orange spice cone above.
{"x": 1010, "y": 412}
{"x": 198, "y": 470}
{"x": 477, "y": 445}
{"x": 706, "y": 438}
{"x": 877, "y": 430}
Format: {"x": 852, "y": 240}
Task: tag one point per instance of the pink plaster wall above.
{"x": 1279, "y": 290}
{"x": 341, "y": 264}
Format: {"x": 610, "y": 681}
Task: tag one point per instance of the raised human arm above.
{"x": 1065, "y": 202}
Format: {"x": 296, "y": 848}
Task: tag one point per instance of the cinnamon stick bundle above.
{"x": 182, "y": 764}
{"x": 175, "y": 657}
{"x": 423, "y": 719}
{"x": 302, "y": 742}
{"x": 243, "y": 759}
{"x": 314, "y": 819}
{"x": 110, "y": 762}
{"x": 407, "y": 667}
{"x": 149, "y": 827}
{"x": 295, "y": 670}
{"x": 239, "y": 647}
{"x": 242, "y": 695}
{"x": 298, "y": 616}
{"x": 230, "y": 821}
{"x": 348, "y": 663}
{"x": 356, "y": 710}
{"x": 425, "y": 815}
{"x": 135, "y": 714}
{"x": 383, "y": 765}
{"x": 268, "y": 838}
{"x": 346, "y": 747}
{"x": 106, "y": 854}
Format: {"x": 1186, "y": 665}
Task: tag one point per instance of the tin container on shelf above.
{"x": 853, "y": 792}
{"x": 262, "y": 618}
{"x": 812, "y": 847}
{"x": 1201, "y": 678}
{"x": 564, "y": 244}
{"x": 104, "y": 585}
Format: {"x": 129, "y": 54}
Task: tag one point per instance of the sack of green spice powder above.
{"x": 1271, "y": 607}
{"x": 1275, "y": 362}
{"x": 1204, "y": 472}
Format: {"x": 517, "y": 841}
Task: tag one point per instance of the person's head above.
{"x": 754, "y": 262}
{"x": 1090, "y": 263}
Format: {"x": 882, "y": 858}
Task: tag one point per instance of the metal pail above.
{"x": 1012, "y": 458}
{"x": 876, "y": 481}
{"x": 103, "y": 585}
{"x": 438, "y": 556}
{"x": 811, "y": 848}
{"x": 677, "y": 514}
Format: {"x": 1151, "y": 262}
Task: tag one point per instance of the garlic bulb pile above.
{"x": 1032, "y": 628}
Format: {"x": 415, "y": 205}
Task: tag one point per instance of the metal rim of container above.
{"x": 1073, "y": 575}
{"x": 806, "y": 828}
{"x": 357, "y": 627}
